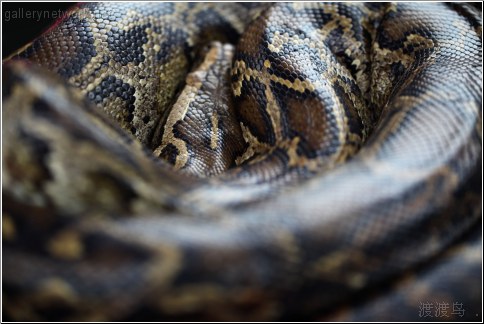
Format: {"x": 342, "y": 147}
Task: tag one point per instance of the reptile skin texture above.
{"x": 245, "y": 162}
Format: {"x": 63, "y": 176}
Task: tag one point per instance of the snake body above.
{"x": 228, "y": 161}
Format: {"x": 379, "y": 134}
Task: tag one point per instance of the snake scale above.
{"x": 231, "y": 161}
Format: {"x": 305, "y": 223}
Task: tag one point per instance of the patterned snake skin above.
{"x": 225, "y": 161}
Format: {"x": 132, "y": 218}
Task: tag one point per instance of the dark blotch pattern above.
{"x": 78, "y": 31}
{"x": 169, "y": 153}
{"x": 176, "y": 38}
{"x": 113, "y": 87}
{"x": 128, "y": 45}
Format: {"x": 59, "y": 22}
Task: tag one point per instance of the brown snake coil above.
{"x": 228, "y": 161}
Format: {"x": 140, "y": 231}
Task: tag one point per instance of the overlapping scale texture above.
{"x": 233, "y": 161}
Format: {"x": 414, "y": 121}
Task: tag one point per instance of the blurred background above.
{"x": 22, "y": 22}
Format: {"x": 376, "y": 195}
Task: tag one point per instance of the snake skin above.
{"x": 228, "y": 161}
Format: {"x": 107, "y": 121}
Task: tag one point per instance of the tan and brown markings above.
{"x": 202, "y": 132}
{"x": 340, "y": 151}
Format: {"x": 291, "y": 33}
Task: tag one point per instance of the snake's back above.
{"x": 228, "y": 161}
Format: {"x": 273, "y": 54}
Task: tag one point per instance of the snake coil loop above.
{"x": 230, "y": 161}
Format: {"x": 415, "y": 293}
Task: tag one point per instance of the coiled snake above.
{"x": 231, "y": 161}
